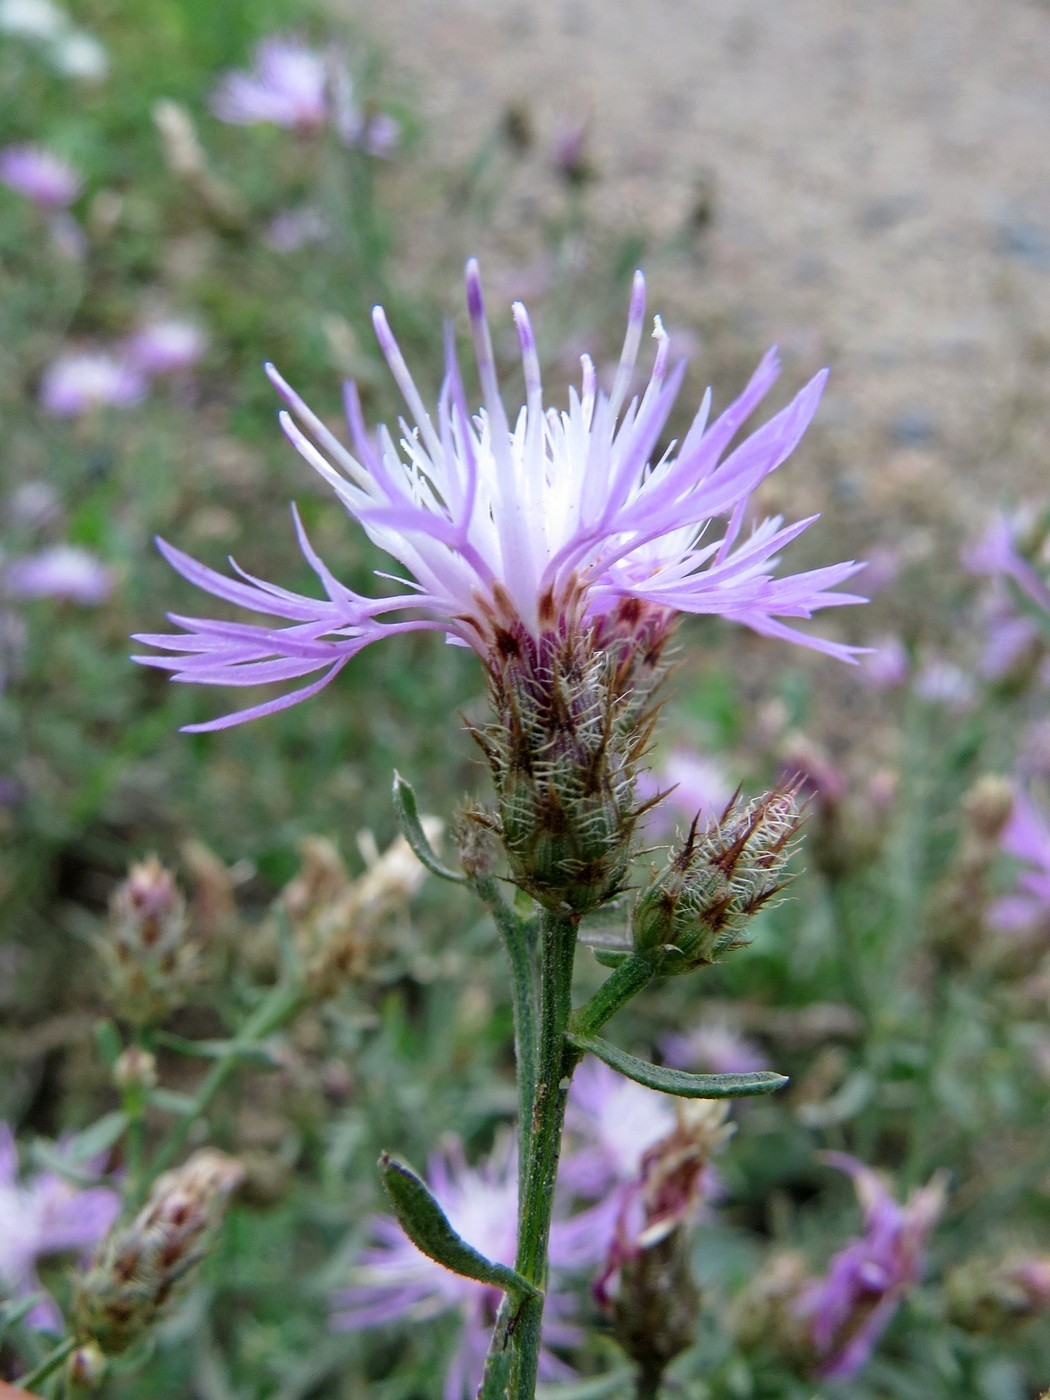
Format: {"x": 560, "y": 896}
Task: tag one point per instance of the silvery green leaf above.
{"x": 412, "y": 831}
{"x": 428, "y": 1227}
{"x": 677, "y": 1081}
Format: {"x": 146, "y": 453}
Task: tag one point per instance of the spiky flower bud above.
{"x": 336, "y": 920}
{"x": 148, "y": 956}
{"x": 699, "y": 905}
{"x": 140, "y": 1266}
{"x": 573, "y": 715}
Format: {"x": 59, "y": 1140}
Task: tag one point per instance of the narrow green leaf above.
{"x": 258, "y": 1053}
{"x": 427, "y": 1226}
{"x": 676, "y": 1081}
{"x": 72, "y": 1159}
{"x": 171, "y": 1101}
{"x": 412, "y": 831}
{"x": 108, "y": 1042}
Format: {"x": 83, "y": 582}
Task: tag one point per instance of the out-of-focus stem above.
{"x": 49, "y": 1365}
{"x": 275, "y": 1009}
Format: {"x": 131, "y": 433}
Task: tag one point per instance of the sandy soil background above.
{"x": 865, "y": 184}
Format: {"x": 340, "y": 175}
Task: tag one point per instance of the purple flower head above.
{"x": 293, "y": 229}
{"x": 41, "y": 176}
{"x": 612, "y": 1122}
{"x": 942, "y": 682}
{"x": 998, "y": 554}
{"x": 41, "y": 1216}
{"x": 674, "y": 1181}
{"x": 288, "y": 85}
{"x": 696, "y": 786}
{"x": 1026, "y": 837}
{"x": 849, "y": 1309}
{"x": 886, "y": 666}
{"x": 545, "y": 519}
{"x": 394, "y": 1282}
{"x": 165, "y": 347}
{"x": 81, "y": 381}
{"x": 64, "y": 571}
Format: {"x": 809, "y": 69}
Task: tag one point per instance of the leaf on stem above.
{"x": 677, "y": 1081}
{"x": 428, "y": 1227}
{"x": 412, "y": 831}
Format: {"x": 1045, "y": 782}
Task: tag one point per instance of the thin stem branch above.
{"x": 633, "y": 974}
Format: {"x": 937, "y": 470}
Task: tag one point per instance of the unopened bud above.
{"x": 148, "y": 955}
{"x": 86, "y": 1367}
{"x": 988, "y": 804}
{"x": 136, "y": 1069}
{"x": 140, "y": 1266}
{"x": 765, "y": 1315}
{"x": 338, "y": 921}
{"x": 573, "y": 714}
{"x": 993, "y": 1299}
{"x": 699, "y": 905}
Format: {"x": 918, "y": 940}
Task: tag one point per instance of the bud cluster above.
{"x": 573, "y": 714}
{"x": 139, "y": 1266}
{"x": 699, "y": 905}
{"x": 149, "y": 958}
{"x": 336, "y": 920}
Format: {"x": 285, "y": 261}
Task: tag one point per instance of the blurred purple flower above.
{"x": 288, "y": 86}
{"x": 612, "y": 1123}
{"x": 942, "y": 682}
{"x": 997, "y": 553}
{"x": 165, "y": 347}
{"x": 699, "y": 789}
{"x": 714, "y": 1048}
{"x": 394, "y": 1282}
{"x": 381, "y": 135}
{"x": 64, "y": 571}
{"x": 676, "y": 1177}
{"x": 849, "y": 1309}
{"x": 81, "y": 381}
{"x": 42, "y": 177}
{"x": 293, "y": 229}
{"x": 886, "y": 666}
{"x": 498, "y": 521}
{"x": 1026, "y": 837}
{"x": 42, "y": 1216}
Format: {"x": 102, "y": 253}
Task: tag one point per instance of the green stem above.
{"x": 275, "y": 1009}
{"x": 556, "y": 1062}
{"x": 635, "y": 972}
{"x": 516, "y": 939}
{"x": 49, "y": 1365}
{"x": 647, "y": 1383}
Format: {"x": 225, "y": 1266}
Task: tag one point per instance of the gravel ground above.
{"x": 874, "y": 184}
